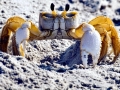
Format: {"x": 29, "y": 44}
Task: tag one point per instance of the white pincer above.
{"x": 22, "y": 34}
{"x": 90, "y": 44}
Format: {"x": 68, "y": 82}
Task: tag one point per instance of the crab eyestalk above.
{"x": 67, "y": 6}
{"x": 52, "y": 7}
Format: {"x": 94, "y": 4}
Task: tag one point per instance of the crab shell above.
{"x": 90, "y": 44}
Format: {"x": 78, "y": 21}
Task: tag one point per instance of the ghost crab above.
{"x": 56, "y": 25}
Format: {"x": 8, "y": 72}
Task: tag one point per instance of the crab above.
{"x": 58, "y": 25}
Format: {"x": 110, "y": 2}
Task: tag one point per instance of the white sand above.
{"x": 55, "y": 64}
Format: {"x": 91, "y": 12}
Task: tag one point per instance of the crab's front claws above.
{"x": 90, "y": 44}
{"x": 21, "y": 35}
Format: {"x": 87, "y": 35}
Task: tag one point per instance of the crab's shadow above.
{"x": 72, "y": 56}
{"x": 70, "y": 59}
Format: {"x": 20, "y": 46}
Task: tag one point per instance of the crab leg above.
{"x": 77, "y": 33}
{"x": 35, "y": 33}
{"x": 102, "y": 29}
{"x": 4, "y": 40}
{"x": 115, "y": 42}
{"x": 14, "y": 46}
{"x": 101, "y": 20}
{"x": 104, "y": 47}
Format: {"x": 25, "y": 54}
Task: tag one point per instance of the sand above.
{"x": 56, "y": 64}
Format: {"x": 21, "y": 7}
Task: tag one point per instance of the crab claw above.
{"x": 90, "y": 44}
{"x": 22, "y": 34}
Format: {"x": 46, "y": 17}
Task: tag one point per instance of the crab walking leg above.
{"x": 104, "y": 47}
{"x": 4, "y": 39}
{"x": 108, "y": 34}
{"x": 97, "y": 21}
{"x": 35, "y": 33}
{"x": 101, "y": 20}
{"x": 14, "y": 46}
{"x": 115, "y": 43}
{"x": 21, "y": 35}
{"x": 102, "y": 29}
{"x": 77, "y": 33}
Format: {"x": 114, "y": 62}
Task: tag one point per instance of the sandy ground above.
{"x": 56, "y": 64}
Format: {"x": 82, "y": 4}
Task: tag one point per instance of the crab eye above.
{"x": 67, "y": 6}
{"x": 52, "y": 6}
